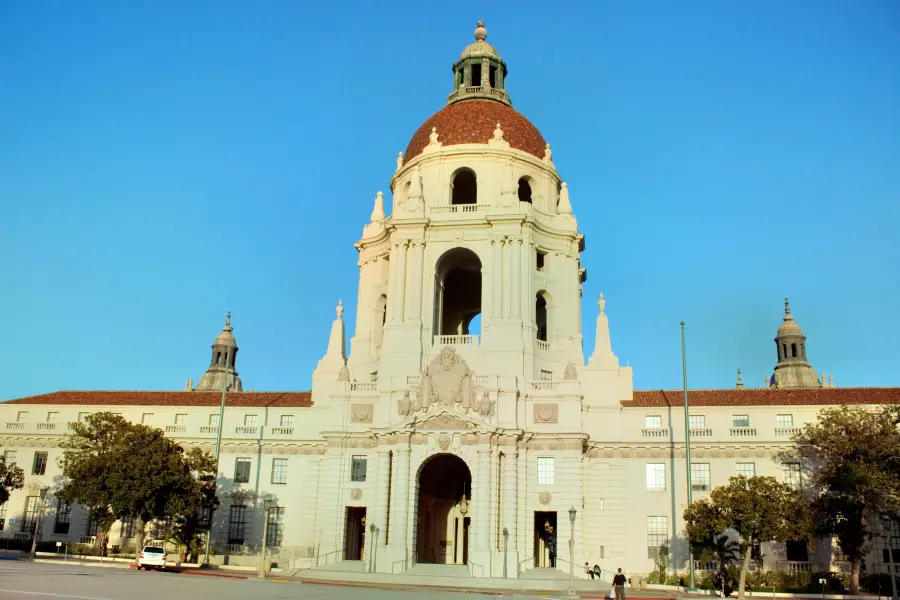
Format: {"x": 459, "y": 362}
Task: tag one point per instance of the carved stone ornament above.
{"x": 447, "y": 382}
{"x": 444, "y": 442}
{"x": 355, "y": 494}
{"x": 361, "y": 413}
{"x": 445, "y": 421}
{"x": 570, "y": 373}
{"x": 344, "y": 374}
{"x": 544, "y": 498}
{"x": 545, "y": 413}
{"x": 404, "y": 404}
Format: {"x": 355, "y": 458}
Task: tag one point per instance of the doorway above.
{"x": 545, "y": 539}
{"x": 355, "y": 536}
{"x": 442, "y": 531}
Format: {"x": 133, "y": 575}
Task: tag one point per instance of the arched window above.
{"x": 379, "y": 320}
{"x": 524, "y": 190}
{"x": 464, "y": 187}
{"x": 541, "y": 316}
{"x": 457, "y": 302}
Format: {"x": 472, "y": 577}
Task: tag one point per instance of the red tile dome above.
{"x": 473, "y": 122}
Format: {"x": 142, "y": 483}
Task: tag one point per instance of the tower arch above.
{"x": 457, "y": 289}
{"x": 464, "y": 186}
{"x": 444, "y": 486}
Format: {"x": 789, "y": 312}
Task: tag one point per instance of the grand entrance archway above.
{"x": 442, "y": 531}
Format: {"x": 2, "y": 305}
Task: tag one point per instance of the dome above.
{"x": 479, "y": 47}
{"x": 226, "y": 338}
{"x": 788, "y": 325}
{"x": 473, "y": 122}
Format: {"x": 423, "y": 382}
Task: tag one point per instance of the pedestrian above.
{"x": 588, "y": 570}
{"x": 597, "y": 571}
{"x": 619, "y": 585}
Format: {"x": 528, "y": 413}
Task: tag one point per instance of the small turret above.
{"x": 479, "y": 72}
{"x": 222, "y": 367}
{"x": 792, "y": 370}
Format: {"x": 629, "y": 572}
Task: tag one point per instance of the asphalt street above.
{"x": 22, "y": 580}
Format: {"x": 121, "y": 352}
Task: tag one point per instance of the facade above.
{"x": 431, "y": 443}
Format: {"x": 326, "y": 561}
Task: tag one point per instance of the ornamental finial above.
{"x": 480, "y": 31}
{"x": 787, "y": 310}
{"x": 601, "y": 303}
{"x": 228, "y": 319}
{"x": 340, "y": 310}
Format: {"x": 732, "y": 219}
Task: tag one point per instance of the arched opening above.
{"x": 442, "y": 526}
{"x": 464, "y": 187}
{"x": 541, "y": 316}
{"x": 457, "y": 287}
{"x": 524, "y": 190}
{"x": 379, "y": 318}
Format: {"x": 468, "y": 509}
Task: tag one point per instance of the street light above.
{"x": 572, "y": 512}
{"x": 505, "y": 549}
{"x": 212, "y": 511}
{"x": 39, "y": 517}
{"x": 372, "y": 549}
{"x": 687, "y": 450}
{"x": 267, "y": 505}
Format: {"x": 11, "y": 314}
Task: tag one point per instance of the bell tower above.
{"x": 793, "y": 370}
{"x": 223, "y": 364}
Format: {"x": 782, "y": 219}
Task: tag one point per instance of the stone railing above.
{"x": 787, "y": 431}
{"x": 209, "y": 429}
{"x": 15, "y": 425}
{"x": 413, "y": 379}
{"x": 701, "y": 432}
{"x": 246, "y": 429}
{"x": 543, "y": 345}
{"x": 282, "y": 431}
{"x": 460, "y": 208}
{"x": 545, "y": 385}
{"x": 356, "y": 386}
{"x": 176, "y": 428}
{"x": 655, "y": 432}
{"x": 456, "y": 340}
{"x": 743, "y": 431}
{"x": 87, "y": 539}
{"x": 47, "y": 425}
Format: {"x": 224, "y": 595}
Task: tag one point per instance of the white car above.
{"x": 152, "y": 557}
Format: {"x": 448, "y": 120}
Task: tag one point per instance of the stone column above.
{"x": 507, "y": 264}
{"x": 415, "y": 292}
{"x": 382, "y": 494}
{"x": 497, "y": 280}
{"x": 511, "y": 506}
{"x": 392, "y": 284}
{"x": 400, "y": 500}
{"x": 401, "y": 281}
{"x": 481, "y": 554}
{"x": 528, "y": 267}
{"x": 516, "y": 268}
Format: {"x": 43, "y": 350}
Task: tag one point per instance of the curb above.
{"x": 210, "y": 574}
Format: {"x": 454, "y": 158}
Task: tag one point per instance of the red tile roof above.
{"x": 766, "y": 397}
{"x": 473, "y": 122}
{"x": 271, "y": 399}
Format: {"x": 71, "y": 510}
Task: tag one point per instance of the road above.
{"x": 22, "y": 580}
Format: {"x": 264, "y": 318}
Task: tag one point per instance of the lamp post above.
{"x": 687, "y": 451}
{"x": 505, "y": 549}
{"x": 572, "y": 552}
{"x": 267, "y": 504}
{"x": 890, "y": 544}
{"x": 372, "y": 548}
{"x": 212, "y": 511}
{"x": 39, "y": 517}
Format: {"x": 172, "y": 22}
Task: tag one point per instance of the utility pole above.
{"x": 687, "y": 451}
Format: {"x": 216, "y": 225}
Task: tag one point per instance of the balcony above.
{"x": 246, "y": 430}
{"x": 47, "y": 426}
{"x": 460, "y": 208}
{"x": 209, "y": 429}
{"x": 176, "y": 428}
{"x": 15, "y": 425}
{"x": 456, "y": 340}
{"x": 413, "y": 379}
{"x": 654, "y": 432}
{"x": 743, "y": 432}
{"x": 787, "y": 431}
{"x": 545, "y": 385}
{"x": 356, "y": 386}
{"x": 282, "y": 431}
{"x": 541, "y": 344}
{"x": 701, "y": 432}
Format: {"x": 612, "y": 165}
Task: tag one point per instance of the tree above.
{"x": 759, "y": 509}
{"x": 721, "y": 549}
{"x": 12, "y": 477}
{"x": 851, "y": 456}
{"x": 194, "y": 518}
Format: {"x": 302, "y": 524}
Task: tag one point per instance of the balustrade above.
{"x": 456, "y": 340}
{"x": 743, "y": 431}
{"x": 655, "y": 432}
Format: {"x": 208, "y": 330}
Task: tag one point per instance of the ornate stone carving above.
{"x": 344, "y": 374}
{"x": 404, "y": 404}
{"x": 445, "y": 421}
{"x": 545, "y": 413}
{"x": 570, "y": 373}
{"x": 356, "y": 494}
{"x": 447, "y": 381}
{"x": 444, "y": 442}
{"x": 361, "y": 413}
{"x": 399, "y": 161}
{"x": 486, "y": 407}
{"x": 544, "y": 498}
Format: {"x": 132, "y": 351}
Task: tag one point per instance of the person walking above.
{"x": 619, "y": 585}
{"x": 588, "y": 570}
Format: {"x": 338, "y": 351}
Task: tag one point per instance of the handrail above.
{"x": 472, "y": 570}
{"x": 320, "y": 556}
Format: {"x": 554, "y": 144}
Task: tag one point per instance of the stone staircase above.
{"x": 544, "y": 575}
{"x": 429, "y": 570}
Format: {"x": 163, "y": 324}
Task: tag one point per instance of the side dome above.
{"x": 473, "y": 122}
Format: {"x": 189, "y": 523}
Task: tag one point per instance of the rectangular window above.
{"x": 657, "y": 536}
{"x": 242, "y": 470}
{"x": 279, "y": 470}
{"x": 653, "y": 422}
{"x": 602, "y": 552}
{"x": 784, "y": 421}
{"x": 2, "y": 515}
{"x": 127, "y": 528}
{"x": 545, "y": 470}
{"x": 249, "y": 420}
{"x": 214, "y": 419}
{"x": 52, "y": 416}
{"x": 147, "y": 419}
{"x": 740, "y": 421}
{"x": 792, "y": 475}
{"x": 358, "y": 466}
{"x": 237, "y": 524}
{"x": 697, "y": 421}
{"x": 276, "y": 522}
{"x": 92, "y": 526}
{"x": 287, "y": 420}
{"x": 656, "y": 477}
{"x": 31, "y": 513}
{"x": 539, "y": 261}
{"x": 748, "y": 470}
{"x": 546, "y": 375}
{"x": 181, "y": 419}
{"x": 10, "y": 457}
{"x": 63, "y": 518}
{"x": 39, "y": 466}
{"x": 22, "y": 416}
{"x": 700, "y": 477}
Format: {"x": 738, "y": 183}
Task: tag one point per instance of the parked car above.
{"x": 152, "y": 557}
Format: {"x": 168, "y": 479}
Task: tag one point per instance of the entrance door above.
{"x": 545, "y": 539}
{"x": 355, "y": 536}
{"x": 442, "y": 533}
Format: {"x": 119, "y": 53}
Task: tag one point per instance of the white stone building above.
{"x": 430, "y": 443}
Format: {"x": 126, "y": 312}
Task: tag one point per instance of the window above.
{"x": 524, "y": 191}
{"x": 242, "y": 470}
{"x": 10, "y": 457}
{"x": 697, "y": 421}
{"x": 784, "y": 421}
{"x": 214, "y": 419}
{"x": 237, "y": 524}
{"x": 287, "y": 420}
{"x": 82, "y": 416}
{"x": 358, "y": 468}
{"x": 279, "y": 470}
{"x": 748, "y": 470}
{"x": 656, "y": 477}
{"x": 22, "y": 416}
{"x": 181, "y": 419}
{"x": 540, "y": 316}
{"x": 147, "y": 419}
{"x": 2, "y": 515}
{"x": 127, "y": 528}
{"x": 653, "y": 422}
{"x": 31, "y": 513}
{"x": 465, "y": 187}
{"x": 602, "y": 552}
{"x": 700, "y": 479}
{"x": 740, "y": 421}
{"x": 792, "y": 475}
{"x": 546, "y": 375}
{"x": 276, "y": 521}
{"x": 92, "y": 526}
{"x": 540, "y": 260}
{"x": 373, "y": 377}
{"x": 52, "y": 416}
{"x": 63, "y": 518}
{"x": 794, "y": 350}
{"x": 249, "y": 420}
{"x": 545, "y": 470}
{"x": 657, "y": 536}
{"x": 39, "y": 466}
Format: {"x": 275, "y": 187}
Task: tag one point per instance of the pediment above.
{"x": 444, "y": 420}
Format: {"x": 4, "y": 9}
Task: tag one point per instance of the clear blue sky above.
{"x": 163, "y": 162}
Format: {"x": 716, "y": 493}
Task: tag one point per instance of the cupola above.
{"x": 222, "y": 369}
{"x": 479, "y": 72}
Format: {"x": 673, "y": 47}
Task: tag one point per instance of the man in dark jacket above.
{"x": 619, "y": 585}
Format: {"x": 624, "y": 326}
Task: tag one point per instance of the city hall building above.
{"x": 427, "y": 443}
